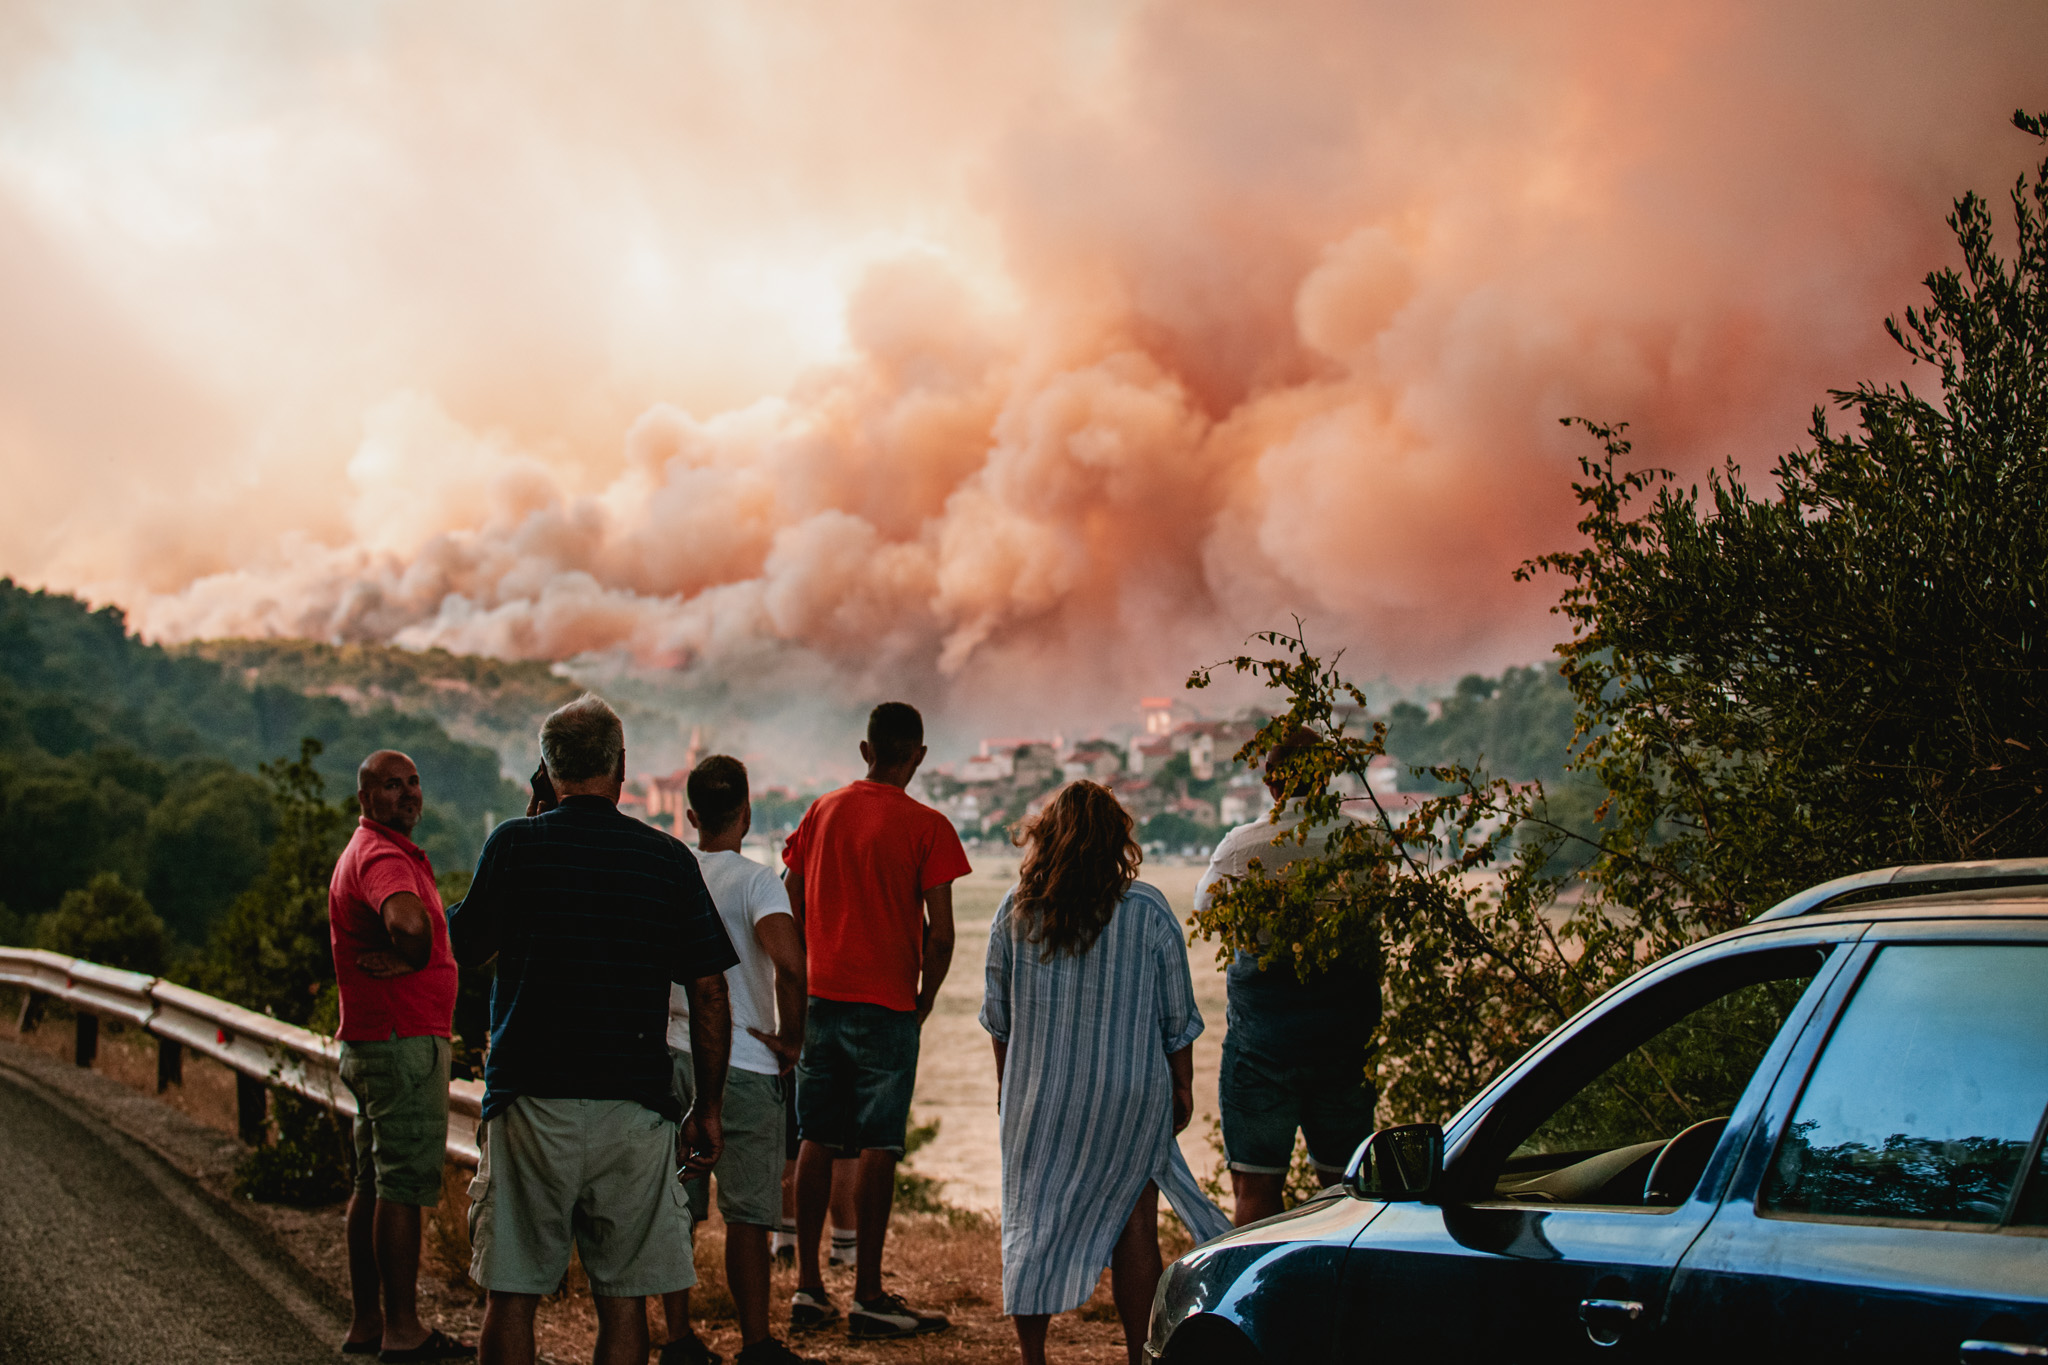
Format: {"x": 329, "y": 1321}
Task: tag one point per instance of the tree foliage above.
{"x": 1772, "y": 688}
{"x": 117, "y": 756}
{"x": 309, "y": 1160}
{"x": 110, "y": 922}
{"x": 1519, "y": 725}
{"x": 270, "y": 952}
{"x": 1176, "y": 831}
{"x": 74, "y": 681}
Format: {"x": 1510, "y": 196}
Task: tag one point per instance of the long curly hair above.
{"x": 1079, "y": 861}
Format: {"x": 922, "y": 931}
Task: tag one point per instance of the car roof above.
{"x": 1912, "y": 880}
{"x": 1977, "y": 902}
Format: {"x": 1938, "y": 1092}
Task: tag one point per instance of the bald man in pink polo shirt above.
{"x": 398, "y": 979}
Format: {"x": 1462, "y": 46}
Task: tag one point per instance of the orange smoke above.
{"x": 1212, "y": 314}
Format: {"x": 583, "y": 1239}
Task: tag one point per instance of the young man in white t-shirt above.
{"x": 767, "y": 993}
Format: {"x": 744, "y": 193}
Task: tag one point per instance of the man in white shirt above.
{"x": 1295, "y": 1051}
{"x": 767, "y": 993}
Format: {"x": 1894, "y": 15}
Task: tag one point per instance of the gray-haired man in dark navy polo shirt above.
{"x": 590, "y": 914}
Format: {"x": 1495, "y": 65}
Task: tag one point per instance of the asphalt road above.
{"x": 106, "y": 1255}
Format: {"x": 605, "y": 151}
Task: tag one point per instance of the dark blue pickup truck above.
{"x": 1817, "y": 1138}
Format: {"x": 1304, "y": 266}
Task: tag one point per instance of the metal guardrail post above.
{"x": 86, "y": 1044}
{"x": 170, "y": 1064}
{"x": 252, "y": 1102}
{"x": 32, "y": 1006}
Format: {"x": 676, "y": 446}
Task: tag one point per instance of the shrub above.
{"x": 107, "y": 921}
{"x": 309, "y": 1162}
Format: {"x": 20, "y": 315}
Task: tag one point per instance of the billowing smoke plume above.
{"x": 1256, "y": 311}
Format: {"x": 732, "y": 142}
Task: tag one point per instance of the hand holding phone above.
{"x": 544, "y": 798}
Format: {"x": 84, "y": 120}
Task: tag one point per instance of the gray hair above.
{"x": 582, "y": 740}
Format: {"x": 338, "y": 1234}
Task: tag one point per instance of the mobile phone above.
{"x": 544, "y": 789}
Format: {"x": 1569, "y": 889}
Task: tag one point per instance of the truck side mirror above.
{"x": 1398, "y": 1163}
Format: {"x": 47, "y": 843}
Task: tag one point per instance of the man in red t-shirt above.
{"x": 871, "y": 873}
{"x": 397, "y": 978}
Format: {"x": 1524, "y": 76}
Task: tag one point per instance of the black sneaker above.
{"x": 689, "y": 1350}
{"x": 888, "y": 1317}
{"x": 438, "y": 1346}
{"x": 808, "y": 1312}
{"x": 769, "y": 1351}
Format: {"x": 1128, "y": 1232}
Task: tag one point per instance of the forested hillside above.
{"x": 119, "y": 756}
{"x": 497, "y": 703}
{"x": 1519, "y": 725}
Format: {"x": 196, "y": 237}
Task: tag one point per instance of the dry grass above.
{"x": 949, "y": 1264}
{"x": 952, "y": 1265}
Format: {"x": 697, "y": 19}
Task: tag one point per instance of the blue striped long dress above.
{"x": 1087, "y": 1101}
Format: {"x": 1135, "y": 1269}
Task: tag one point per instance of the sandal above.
{"x": 438, "y": 1346}
{"x": 360, "y": 1348}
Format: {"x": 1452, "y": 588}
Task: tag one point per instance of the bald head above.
{"x": 388, "y": 790}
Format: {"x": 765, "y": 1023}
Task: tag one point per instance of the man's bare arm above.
{"x": 793, "y": 887}
{"x": 778, "y": 937}
{"x": 938, "y": 946}
{"x": 703, "y": 1131}
{"x": 710, "y": 1035}
{"x": 412, "y": 938}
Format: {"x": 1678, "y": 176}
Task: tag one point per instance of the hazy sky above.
{"x": 1008, "y": 356}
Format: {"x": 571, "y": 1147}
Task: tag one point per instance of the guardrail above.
{"x": 260, "y": 1050}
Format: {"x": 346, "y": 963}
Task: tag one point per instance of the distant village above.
{"x": 1176, "y": 773}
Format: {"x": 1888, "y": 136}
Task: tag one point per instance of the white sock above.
{"x": 783, "y": 1236}
{"x": 842, "y": 1244}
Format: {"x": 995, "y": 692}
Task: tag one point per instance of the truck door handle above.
{"x": 1982, "y": 1352}
{"x": 1608, "y": 1319}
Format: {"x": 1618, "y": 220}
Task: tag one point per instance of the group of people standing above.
{"x": 665, "y": 1019}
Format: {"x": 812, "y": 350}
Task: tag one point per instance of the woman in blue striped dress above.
{"x": 1093, "y": 1016}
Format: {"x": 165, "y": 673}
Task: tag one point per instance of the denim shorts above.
{"x": 401, "y": 1128}
{"x": 854, "y": 1079}
{"x": 1265, "y": 1100}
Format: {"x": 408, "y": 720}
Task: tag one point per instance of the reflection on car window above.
{"x": 1928, "y": 1095}
{"x": 1601, "y": 1143}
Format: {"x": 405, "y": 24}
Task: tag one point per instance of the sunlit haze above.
{"x": 1008, "y": 358}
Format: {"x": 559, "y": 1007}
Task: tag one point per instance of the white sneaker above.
{"x": 808, "y": 1312}
{"x": 889, "y": 1316}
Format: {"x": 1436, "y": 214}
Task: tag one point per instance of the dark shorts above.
{"x": 854, "y": 1080}
{"x": 1265, "y": 1100}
